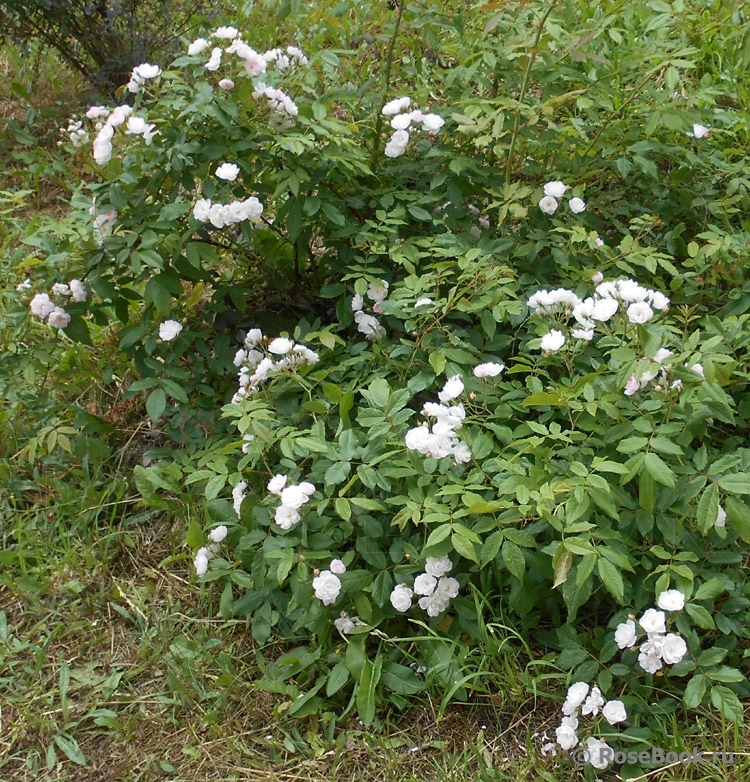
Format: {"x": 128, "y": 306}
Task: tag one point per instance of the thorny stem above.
{"x": 386, "y": 81}
{"x": 524, "y": 88}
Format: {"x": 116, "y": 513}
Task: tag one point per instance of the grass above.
{"x": 112, "y": 665}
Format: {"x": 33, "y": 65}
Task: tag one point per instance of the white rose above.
{"x": 555, "y": 189}
{"x": 575, "y": 697}
{"x": 577, "y": 205}
{"x": 671, "y": 600}
{"x": 593, "y": 703}
{"x": 614, "y": 712}
{"x": 280, "y": 346}
{"x": 218, "y": 534}
{"x": 276, "y": 484}
{"x": 552, "y": 341}
{"x": 649, "y": 662}
{"x": 653, "y": 621}
{"x": 327, "y": 587}
{"x": 566, "y": 737}
{"x": 673, "y": 649}
{"x": 401, "y": 598}
{"x": 424, "y": 584}
{"x": 599, "y": 753}
{"x": 169, "y": 330}
{"x": 438, "y": 566}
{"x": 625, "y": 634}
{"x": 294, "y": 497}
{"x": 286, "y": 517}
{"x": 548, "y": 205}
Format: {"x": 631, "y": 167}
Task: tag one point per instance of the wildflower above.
{"x": 424, "y": 584}
{"x": 401, "y": 598}
{"x": 201, "y": 561}
{"x": 286, "y": 517}
{"x": 673, "y": 649}
{"x": 58, "y": 318}
{"x": 453, "y": 387}
{"x": 226, "y": 32}
{"x": 41, "y": 306}
{"x": 625, "y": 634}
{"x": 140, "y": 74}
{"x": 632, "y": 386}
{"x": 215, "y": 60}
{"x": 577, "y": 205}
{"x": 397, "y": 144}
{"x": 327, "y": 586}
{"x": 593, "y": 703}
{"x": 575, "y": 697}
{"x": 345, "y": 624}
{"x": 552, "y": 341}
{"x": 337, "y": 567}
{"x": 555, "y": 189}
{"x": 650, "y": 663}
{"x": 584, "y": 334}
{"x": 671, "y": 600}
{"x": 227, "y": 171}
{"x": 699, "y": 131}
{"x": 566, "y": 735}
{"x": 599, "y": 753}
{"x": 639, "y": 312}
{"x": 548, "y": 205}
{"x": 653, "y": 621}
{"x": 614, "y": 712}
{"x": 395, "y": 106}
{"x": 432, "y": 123}
{"x": 489, "y": 369}
{"x": 280, "y": 346}
{"x": 226, "y": 84}
{"x": 197, "y": 46}
{"x": 276, "y": 484}
{"x": 169, "y": 330}
{"x": 218, "y": 534}
{"x": 238, "y": 494}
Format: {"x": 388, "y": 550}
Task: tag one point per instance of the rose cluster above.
{"x": 368, "y": 324}
{"x": 440, "y": 439}
{"x": 106, "y": 120}
{"x": 404, "y": 121}
{"x": 637, "y": 303}
{"x": 292, "y": 496}
{"x": 590, "y": 701}
{"x": 282, "y": 108}
{"x": 553, "y": 192}
{"x": 205, "y": 553}
{"x": 435, "y": 588}
{"x": 659, "y": 647}
{"x": 261, "y": 357}
{"x": 655, "y": 369}
{"x": 42, "y": 306}
{"x": 221, "y": 215}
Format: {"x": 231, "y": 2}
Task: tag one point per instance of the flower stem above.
{"x": 386, "y": 82}
{"x": 524, "y": 88}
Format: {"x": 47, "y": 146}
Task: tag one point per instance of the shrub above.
{"x": 490, "y": 362}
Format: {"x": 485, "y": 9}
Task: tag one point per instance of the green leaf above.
{"x": 632, "y": 444}
{"x": 156, "y": 404}
{"x": 612, "y": 579}
{"x": 401, "y": 679}
{"x": 562, "y": 562}
{"x": 710, "y": 590}
{"x": 78, "y": 330}
{"x": 725, "y": 673}
{"x": 438, "y": 535}
{"x": 708, "y": 508}
{"x": 337, "y": 678}
{"x": 337, "y": 473}
{"x": 71, "y": 749}
{"x": 713, "y": 656}
{"x": 418, "y": 213}
{"x": 378, "y": 392}
{"x": 737, "y": 483}
{"x": 666, "y": 446}
{"x": 463, "y": 546}
{"x": 695, "y": 691}
{"x": 647, "y": 492}
{"x": 658, "y": 470}
{"x": 739, "y": 514}
{"x": 368, "y": 682}
{"x": 514, "y": 559}
{"x": 727, "y": 703}
{"x": 343, "y": 508}
{"x": 700, "y": 616}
